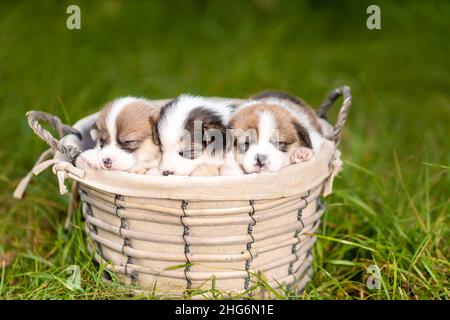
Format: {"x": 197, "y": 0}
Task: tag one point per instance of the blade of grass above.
{"x": 405, "y": 190}
{"x": 346, "y": 242}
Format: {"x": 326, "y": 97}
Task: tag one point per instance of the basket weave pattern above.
{"x": 230, "y": 240}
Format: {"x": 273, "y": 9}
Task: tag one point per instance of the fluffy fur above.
{"x": 191, "y": 131}
{"x": 124, "y": 138}
{"x": 273, "y": 130}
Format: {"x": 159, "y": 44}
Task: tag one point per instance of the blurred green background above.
{"x": 392, "y": 195}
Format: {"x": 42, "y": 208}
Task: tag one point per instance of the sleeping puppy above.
{"x": 191, "y": 132}
{"x": 273, "y": 130}
{"x": 124, "y": 138}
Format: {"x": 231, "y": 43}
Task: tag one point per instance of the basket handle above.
{"x": 344, "y": 91}
{"x": 70, "y": 152}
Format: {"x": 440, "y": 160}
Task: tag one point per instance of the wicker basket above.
{"x": 179, "y": 235}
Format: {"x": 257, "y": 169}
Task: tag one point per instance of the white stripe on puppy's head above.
{"x": 190, "y": 127}
{"x": 124, "y": 136}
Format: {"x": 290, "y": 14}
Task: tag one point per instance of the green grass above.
{"x": 390, "y": 207}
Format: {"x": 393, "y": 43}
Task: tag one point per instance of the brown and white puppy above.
{"x": 124, "y": 138}
{"x": 273, "y": 130}
{"x": 191, "y": 131}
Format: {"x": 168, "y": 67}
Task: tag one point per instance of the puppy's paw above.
{"x": 231, "y": 168}
{"x": 301, "y": 154}
{"x": 88, "y": 160}
{"x": 139, "y": 170}
{"x": 205, "y": 170}
{"x": 231, "y": 171}
{"x": 153, "y": 172}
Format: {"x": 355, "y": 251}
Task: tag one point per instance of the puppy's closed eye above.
{"x": 128, "y": 142}
{"x": 129, "y": 145}
{"x": 243, "y": 144}
{"x": 282, "y": 146}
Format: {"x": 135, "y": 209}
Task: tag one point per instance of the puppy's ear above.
{"x": 94, "y": 132}
{"x": 154, "y": 127}
{"x": 303, "y": 135}
{"x": 214, "y": 126}
{"x": 212, "y": 131}
{"x": 211, "y": 123}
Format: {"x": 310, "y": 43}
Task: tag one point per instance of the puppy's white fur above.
{"x": 172, "y": 130}
{"x": 146, "y": 157}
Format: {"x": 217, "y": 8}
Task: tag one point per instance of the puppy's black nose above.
{"x": 107, "y": 162}
{"x": 167, "y": 173}
{"x": 260, "y": 159}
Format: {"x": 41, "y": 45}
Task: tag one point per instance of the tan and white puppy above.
{"x": 124, "y": 138}
{"x": 191, "y": 131}
{"x": 273, "y": 130}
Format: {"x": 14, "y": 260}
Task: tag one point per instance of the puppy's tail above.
{"x": 322, "y": 110}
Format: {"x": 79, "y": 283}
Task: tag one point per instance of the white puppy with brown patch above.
{"x": 124, "y": 138}
{"x": 273, "y": 130}
{"x": 191, "y": 131}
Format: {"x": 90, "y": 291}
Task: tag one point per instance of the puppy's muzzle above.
{"x": 167, "y": 173}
